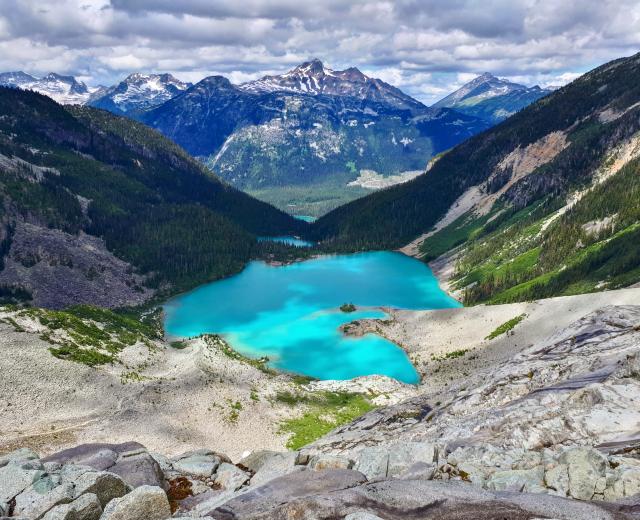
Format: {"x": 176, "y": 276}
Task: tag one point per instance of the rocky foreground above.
{"x": 553, "y": 432}
{"x": 126, "y": 482}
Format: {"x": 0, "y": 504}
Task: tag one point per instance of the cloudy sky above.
{"x": 426, "y": 47}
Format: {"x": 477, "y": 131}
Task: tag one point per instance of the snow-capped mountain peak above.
{"x": 483, "y": 87}
{"x": 139, "y": 91}
{"x": 16, "y": 79}
{"x": 314, "y": 78}
{"x": 491, "y": 98}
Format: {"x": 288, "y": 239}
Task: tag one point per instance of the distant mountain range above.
{"x": 311, "y": 125}
{"x": 339, "y": 132}
{"x": 63, "y": 89}
{"x": 492, "y": 99}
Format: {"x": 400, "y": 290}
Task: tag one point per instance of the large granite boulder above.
{"x": 143, "y": 503}
{"x": 200, "y": 463}
{"x": 345, "y": 494}
{"x": 272, "y": 465}
{"x": 85, "y": 507}
{"x": 130, "y": 460}
{"x": 265, "y": 501}
{"x": 586, "y": 469}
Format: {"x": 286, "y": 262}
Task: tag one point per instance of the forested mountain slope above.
{"x": 97, "y": 208}
{"x": 544, "y": 203}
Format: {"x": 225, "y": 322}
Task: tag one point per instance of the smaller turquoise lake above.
{"x": 306, "y": 218}
{"x": 291, "y": 313}
{"x": 288, "y": 240}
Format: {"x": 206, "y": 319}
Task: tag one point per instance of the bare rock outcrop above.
{"x": 60, "y": 269}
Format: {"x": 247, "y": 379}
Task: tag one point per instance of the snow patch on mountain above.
{"x": 139, "y": 91}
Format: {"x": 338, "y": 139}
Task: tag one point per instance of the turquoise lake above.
{"x": 291, "y": 313}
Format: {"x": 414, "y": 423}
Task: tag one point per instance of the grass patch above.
{"x": 215, "y": 341}
{"x": 506, "y": 326}
{"x": 234, "y": 413}
{"x": 456, "y": 233}
{"x": 327, "y": 410}
{"x": 301, "y": 380}
{"x": 450, "y": 355}
{"x": 91, "y": 335}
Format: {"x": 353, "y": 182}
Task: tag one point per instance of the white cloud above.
{"x": 425, "y": 47}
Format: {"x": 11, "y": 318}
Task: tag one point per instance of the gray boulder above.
{"x": 404, "y": 455}
{"x": 143, "y": 503}
{"x": 85, "y": 507}
{"x": 264, "y": 501}
{"x": 586, "y": 469}
{"x": 330, "y": 496}
{"x": 255, "y": 460}
{"x": 19, "y": 455}
{"x": 418, "y": 471}
{"x": 529, "y": 480}
{"x": 66, "y": 485}
{"x": 18, "y": 475}
{"x": 373, "y": 462}
{"x": 129, "y": 460}
{"x": 231, "y": 477}
{"x": 321, "y": 462}
{"x": 200, "y": 463}
{"x": 393, "y": 459}
{"x": 201, "y": 505}
{"x": 106, "y": 486}
{"x": 557, "y": 480}
{"x": 42, "y": 496}
{"x": 626, "y": 483}
{"x": 274, "y": 466}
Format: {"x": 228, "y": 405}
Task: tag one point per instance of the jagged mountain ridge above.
{"x": 492, "y": 98}
{"x": 63, "y": 89}
{"x": 313, "y": 77}
{"x": 136, "y": 92}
